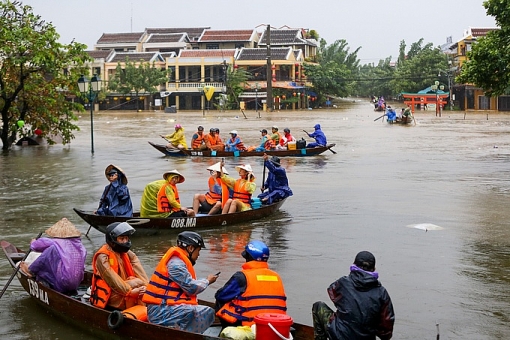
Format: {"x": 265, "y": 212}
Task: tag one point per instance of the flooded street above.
{"x": 386, "y": 190}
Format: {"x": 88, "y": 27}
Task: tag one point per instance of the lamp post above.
{"x": 436, "y": 87}
{"x": 449, "y": 76}
{"x": 90, "y": 90}
{"x": 202, "y": 99}
{"x": 257, "y": 88}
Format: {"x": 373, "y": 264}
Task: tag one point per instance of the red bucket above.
{"x": 271, "y": 326}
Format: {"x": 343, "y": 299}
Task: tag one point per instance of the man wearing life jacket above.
{"x": 243, "y": 188}
{"x": 198, "y": 139}
{"x": 218, "y": 194}
{"x": 253, "y": 290}
{"x": 171, "y": 295}
{"x": 161, "y": 198}
{"x": 263, "y": 140}
{"x": 285, "y": 139}
{"x": 176, "y": 140}
{"x": 213, "y": 141}
{"x": 118, "y": 280}
{"x": 275, "y": 135}
{"x": 234, "y": 143}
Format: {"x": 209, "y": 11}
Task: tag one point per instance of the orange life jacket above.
{"x": 161, "y": 289}
{"x": 269, "y": 144}
{"x": 163, "y": 203}
{"x": 211, "y": 140}
{"x": 264, "y": 294}
{"x": 195, "y": 144}
{"x": 100, "y": 291}
{"x": 240, "y": 191}
{"x": 212, "y": 197}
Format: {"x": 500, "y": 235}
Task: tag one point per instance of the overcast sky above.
{"x": 377, "y": 26}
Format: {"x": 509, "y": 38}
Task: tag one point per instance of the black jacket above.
{"x": 364, "y": 308}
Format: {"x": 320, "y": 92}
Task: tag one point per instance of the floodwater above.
{"x": 430, "y": 201}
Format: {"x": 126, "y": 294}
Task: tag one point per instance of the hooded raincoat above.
{"x": 319, "y": 136}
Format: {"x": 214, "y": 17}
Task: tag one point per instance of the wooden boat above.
{"x": 78, "y": 311}
{"x": 208, "y": 153}
{"x": 200, "y": 221}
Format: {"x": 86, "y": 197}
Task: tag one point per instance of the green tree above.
{"x": 36, "y": 74}
{"x": 235, "y": 85}
{"x": 488, "y": 64}
{"x": 137, "y": 77}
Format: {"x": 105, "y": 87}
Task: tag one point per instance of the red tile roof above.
{"x": 226, "y": 35}
{"x": 108, "y": 38}
{"x": 481, "y": 32}
{"x": 98, "y": 54}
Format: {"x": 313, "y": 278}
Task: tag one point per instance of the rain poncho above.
{"x": 277, "y": 184}
{"x": 177, "y": 138}
{"x": 115, "y": 200}
{"x": 149, "y": 202}
{"x": 319, "y": 136}
{"x": 61, "y": 264}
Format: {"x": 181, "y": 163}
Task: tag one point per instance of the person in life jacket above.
{"x": 118, "y": 280}
{"x": 275, "y": 135}
{"x": 285, "y": 139}
{"x": 161, "y": 198}
{"x": 198, "y": 139}
{"x": 253, "y": 290}
{"x": 176, "y": 140}
{"x": 234, "y": 143}
{"x": 263, "y": 141}
{"x": 243, "y": 188}
{"x": 213, "y": 140}
{"x": 212, "y": 201}
{"x": 171, "y": 295}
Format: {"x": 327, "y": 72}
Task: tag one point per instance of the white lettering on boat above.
{"x": 184, "y": 222}
{"x": 37, "y": 292}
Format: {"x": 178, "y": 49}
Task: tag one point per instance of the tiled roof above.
{"x": 166, "y": 37}
{"x": 168, "y": 54}
{"x": 135, "y": 57}
{"x": 226, "y": 35}
{"x": 206, "y": 53}
{"x": 282, "y": 37}
{"x": 481, "y": 32}
{"x": 277, "y": 53}
{"x": 108, "y": 38}
{"x": 99, "y": 54}
{"x": 193, "y": 32}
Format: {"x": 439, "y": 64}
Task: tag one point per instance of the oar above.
{"x": 263, "y": 176}
{"x": 17, "y": 269}
{"x": 333, "y": 151}
{"x": 379, "y": 117}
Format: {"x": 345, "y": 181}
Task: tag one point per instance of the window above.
{"x": 212, "y": 46}
{"x": 238, "y": 45}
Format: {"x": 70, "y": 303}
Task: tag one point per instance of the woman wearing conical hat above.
{"x": 161, "y": 198}
{"x": 243, "y": 188}
{"x": 115, "y": 200}
{"x": 61, "y": 264}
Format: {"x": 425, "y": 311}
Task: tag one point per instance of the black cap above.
{"x": 275, "y": 160}
{"x": 200, "y": 128}
{"x": 365, "y": 260}
{"x": 263, "y": 130}
{"x": 112, "y": 171}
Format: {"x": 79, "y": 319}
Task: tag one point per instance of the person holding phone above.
{"x": 243, "y": 188}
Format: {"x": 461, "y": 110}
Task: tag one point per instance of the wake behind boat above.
{"x": 152, "y": 225}
{"x": 208, "y": 153}
{"x": 78, "y": 311}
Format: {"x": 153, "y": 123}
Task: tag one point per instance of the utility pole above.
{"x": 269, "y": 75}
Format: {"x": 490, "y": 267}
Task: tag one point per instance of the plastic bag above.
{"x": 237, "y": 333}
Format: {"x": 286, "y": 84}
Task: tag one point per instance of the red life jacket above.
{"x": 161, "y": 288}
{"x": 100, "y": 291}
{"x": 163, "y": 203}
{"x": 264, "y": 294}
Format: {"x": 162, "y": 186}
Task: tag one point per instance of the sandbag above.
{"x": 237, "y": 333}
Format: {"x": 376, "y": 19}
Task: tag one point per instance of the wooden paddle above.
{"x": 263, "y": 176}
{"x": 333, "y": 151}
{"x": 379, "y": 117}
{"x": 17, "y": 269}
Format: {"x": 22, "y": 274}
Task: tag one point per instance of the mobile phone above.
{"x": 218, "y": 273}
{"x": 223, "y": 159}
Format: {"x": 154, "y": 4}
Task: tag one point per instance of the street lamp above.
{"x": 449, "y": 76}
{"x": 90, "y": 91}
{"x": 257, "y": 88}
{"x": 435, "y": 88}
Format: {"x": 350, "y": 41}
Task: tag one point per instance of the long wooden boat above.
{"x": 200, "y": 221}
{"x": 404, "y": 120}
{"x": 78, "y": 311}
{"x": 208, "y": 153}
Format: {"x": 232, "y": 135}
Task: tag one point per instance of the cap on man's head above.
{"x": 365, "y": 260}
{"x": 275, "y": 127}
{"x": 200, "y": 128}
{"x": 233, "y": 132}
{"x": 263, "y": 131}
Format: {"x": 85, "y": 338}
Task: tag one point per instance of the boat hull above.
{"x": 153, "y": 225}
{"x": 208, "y": 153}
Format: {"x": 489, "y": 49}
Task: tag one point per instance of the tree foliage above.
{"x": 488, "y": 64}
{"x": 36, "y": 74}
{"x": 235, "y": 85}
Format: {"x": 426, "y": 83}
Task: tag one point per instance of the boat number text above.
{"x": 37, "y": 292}
{"x": 184, "y": 222}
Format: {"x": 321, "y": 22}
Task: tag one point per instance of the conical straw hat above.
{"x": 112, "y": 166}
{"x": 63, "y": 229}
